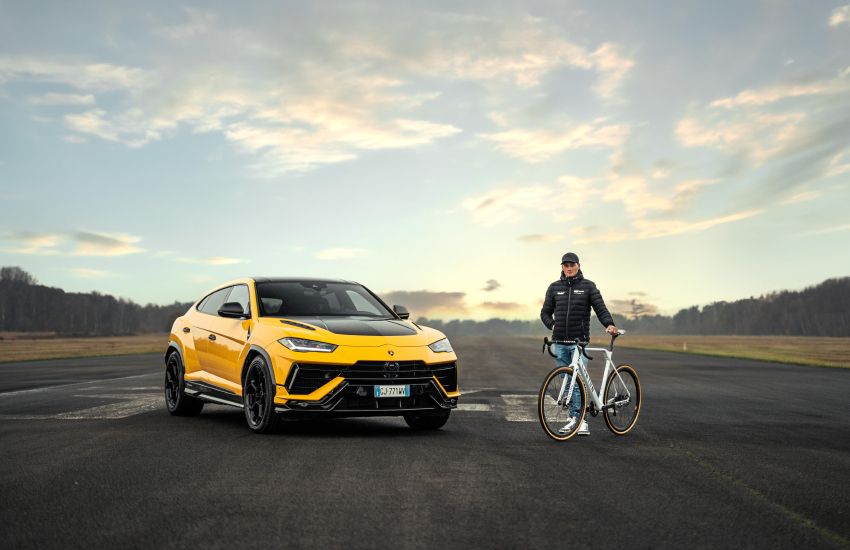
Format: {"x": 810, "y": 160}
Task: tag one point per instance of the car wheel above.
{"x": 258, "y": 398}
{"x": 427, "y": 421}
{"x": 176, "y": 400}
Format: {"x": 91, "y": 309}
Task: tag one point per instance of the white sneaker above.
{"x": 584, "y": 430}
{"x": 568, "y": 427}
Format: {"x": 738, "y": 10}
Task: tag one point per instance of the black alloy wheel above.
{"x": 258, "y": 398}
{"x": 176, "y": 400}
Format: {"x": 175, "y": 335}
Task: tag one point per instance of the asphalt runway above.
{"x": 726, "y": 453}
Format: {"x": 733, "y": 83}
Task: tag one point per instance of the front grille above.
{"x": 307, "y": 377}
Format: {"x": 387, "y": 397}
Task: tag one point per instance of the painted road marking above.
{"x": 60, "y": 386}
{"x": 127, "y": 406}
{"x": 479, "y": 407}
{"x": 512, "y": 407}
{"x": 520, "y": 407}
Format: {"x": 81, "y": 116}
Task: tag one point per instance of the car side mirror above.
{"x": 233, "y": 310}
{"x": 402, "y": 312}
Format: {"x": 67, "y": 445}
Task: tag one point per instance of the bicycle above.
{"x": 622, "y": 392}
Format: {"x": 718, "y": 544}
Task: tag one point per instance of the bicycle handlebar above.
{"x": 547, "y": 344}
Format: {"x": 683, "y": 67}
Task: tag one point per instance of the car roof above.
{"x": 299, "y": 279}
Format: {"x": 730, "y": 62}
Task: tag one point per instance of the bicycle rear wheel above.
{"x": 625, "y": 394}
{"x": 555, "y": 416}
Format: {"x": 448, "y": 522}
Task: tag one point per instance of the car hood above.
{"x": 355, "y": 331}
{"x": 359, "y": 326}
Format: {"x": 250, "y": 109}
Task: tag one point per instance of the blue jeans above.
{"x": 564, "y": 356}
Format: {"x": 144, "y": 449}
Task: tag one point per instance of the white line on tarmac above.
{"x": 48, "y": 388}
{"x": 520, "y": 408}
{"x": 483, "y": 407}
{"x": 113, "y": 411}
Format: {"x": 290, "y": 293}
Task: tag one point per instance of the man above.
{"x": 566, "y": 312}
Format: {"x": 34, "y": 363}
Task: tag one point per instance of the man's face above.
{"x": 570, "y": 268}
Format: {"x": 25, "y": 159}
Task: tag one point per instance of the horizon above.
{"x": 447, "y": 319}
{"x": 447, "y": 154}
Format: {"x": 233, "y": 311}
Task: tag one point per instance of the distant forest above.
{"x": 26, "y": 306}
{"x": 821, "y": 310}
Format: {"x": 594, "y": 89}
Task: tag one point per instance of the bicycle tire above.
{"x": 551, "y": 414}
{"x": 630, "y": 377}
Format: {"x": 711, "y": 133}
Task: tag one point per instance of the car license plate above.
{"x": 392, "y": 391}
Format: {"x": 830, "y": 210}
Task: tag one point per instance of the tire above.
{"x": 258, "y": 398}
{"x": 176, "y": 400}
{"x": 622, "y": 419}
{"x": 553, "y": 415}
{"x": 428, "y": 421}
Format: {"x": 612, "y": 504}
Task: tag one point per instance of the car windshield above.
{"x": 318, "y": 298}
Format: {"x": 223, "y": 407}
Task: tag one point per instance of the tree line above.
{"x": 820, "y": 310}
{"x": 26, "y": 306}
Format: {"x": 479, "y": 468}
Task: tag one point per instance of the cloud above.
{"x": 97, "y": 77}
{"x": 104, "y": 244}
{"x": 61, "y": 99}
{"x": 296, "y": 93}
{"x": 77, "y": 243}
{"x": 613, "y": 67}
{"x": 491, "y": 285}
{"x": 632, "y": 308}
{"x": 510, "y": 203}
{"x": 801, "y": 127}
{"x": 840, "y": 16}
{"x": 503, "y": 306}
{"x": 537, "y": 145}
{"x": 423, "y": 303}
{"x": 758, "y": 136}
{"x": 539, "y": 238}
{"x": 654, "y": 229}
{"x": 828, "y": 230}
{"x": 86, "y": 273}
{"x": 784, "y": 91}
{"x": 338, "y": 253}
{"x": 33, "y": 243}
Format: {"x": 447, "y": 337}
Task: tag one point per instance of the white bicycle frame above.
{"x": 579, "y": 369}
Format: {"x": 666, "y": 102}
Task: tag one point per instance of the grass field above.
{"x": 799, "y": 350}
{"x": 821, "y": 352}
{"x": 19, "y": 347}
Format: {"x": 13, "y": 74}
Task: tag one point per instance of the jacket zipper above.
{"x": 569, "y": 302}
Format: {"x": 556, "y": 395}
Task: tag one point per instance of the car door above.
{"x": 202, "y": 330}
{"x": 227, "y": 340}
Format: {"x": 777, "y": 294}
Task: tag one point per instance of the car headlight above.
{"x": 441, "y": 346}
{"x": 300, "y": 344}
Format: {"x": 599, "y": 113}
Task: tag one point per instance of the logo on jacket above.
{"x": 562, "y": 292}
{"x": 578, "y": 292}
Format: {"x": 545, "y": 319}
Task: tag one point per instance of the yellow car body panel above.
{"x": 216, "y": 350}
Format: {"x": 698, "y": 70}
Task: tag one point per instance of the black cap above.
{"x": 569, "y": 257}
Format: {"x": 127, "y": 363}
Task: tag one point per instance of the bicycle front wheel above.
{"x": 553, "y": 405}
{"x": 623, "y": 399}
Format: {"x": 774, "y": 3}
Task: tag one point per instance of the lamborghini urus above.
{"x": 301, "y": 347}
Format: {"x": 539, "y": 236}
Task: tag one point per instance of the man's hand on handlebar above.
{"x": 612, "y": 330}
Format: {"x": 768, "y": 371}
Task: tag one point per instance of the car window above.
{"x": 240, "y": 295}
{"x": 360, "y": 303}
{"x": 312, "y": 298}
{"x": 214, "y": 301}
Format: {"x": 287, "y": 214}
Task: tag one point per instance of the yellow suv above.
{"x": 300, "y": 347}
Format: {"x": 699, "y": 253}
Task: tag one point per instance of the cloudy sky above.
{"x": 445, "y": 154}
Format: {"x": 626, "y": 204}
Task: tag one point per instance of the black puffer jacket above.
{"x": 566, "y": 308}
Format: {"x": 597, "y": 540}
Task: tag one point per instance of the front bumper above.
{"x": 349, "y": 389}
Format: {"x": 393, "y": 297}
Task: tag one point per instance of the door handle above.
{"x": 185, "y": 329}
{"x": 212, "y": 337}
